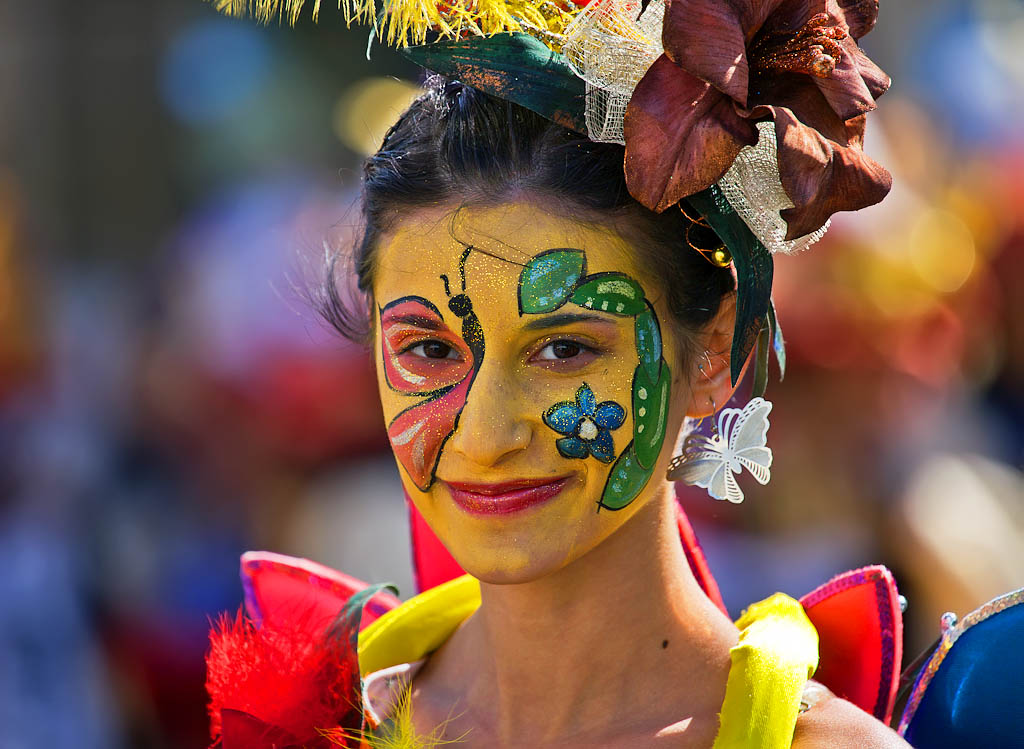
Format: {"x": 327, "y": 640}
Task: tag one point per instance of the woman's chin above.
{"x": 522, "y": 544}
{"x": 512, "y": 569}
{"x": 524, "y": 554}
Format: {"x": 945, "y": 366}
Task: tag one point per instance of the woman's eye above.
{"x": 560, "y": 350}
{"x": 433, "y": 350}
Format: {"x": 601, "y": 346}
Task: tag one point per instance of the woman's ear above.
{"x": 711, "y": 386}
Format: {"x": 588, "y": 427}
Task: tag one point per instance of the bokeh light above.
{"x": 941, "y": 249}
{"x": 368, "y": 108}
{"x": 212, "y": 68}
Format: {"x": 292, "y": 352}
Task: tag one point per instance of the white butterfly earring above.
{"x": 739, "y": 439}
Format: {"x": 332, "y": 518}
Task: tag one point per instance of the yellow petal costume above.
{"x": 777, "y": 652}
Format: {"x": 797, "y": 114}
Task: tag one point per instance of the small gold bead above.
{"x": 721, "y": 257}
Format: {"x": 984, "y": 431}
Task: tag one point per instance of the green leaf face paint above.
{"x": 650, "y": 413}
{"x": 625, "y": 482}
{"x": 549, "y": 279}
{"x": 648, "y": 342}
{"x": 611, "y": 292}
{"x": 558, "y": 277}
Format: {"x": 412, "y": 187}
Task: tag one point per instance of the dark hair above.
{"x": 458, "y": 145}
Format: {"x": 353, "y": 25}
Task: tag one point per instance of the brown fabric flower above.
{"x": 731, "y": 63}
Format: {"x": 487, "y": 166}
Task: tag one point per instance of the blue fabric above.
{"x": 976, "y": 698}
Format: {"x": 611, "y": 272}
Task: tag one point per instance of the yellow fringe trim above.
{"x": 407, "y": 22}
{"x": 397, "y": 732}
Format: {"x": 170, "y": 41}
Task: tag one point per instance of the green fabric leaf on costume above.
{"x": 650, "y": 413}
{"x": 768, "y": 340}
{"x": 764, "y": 347}
{"x": 648, "y": 341}
{"x": 549, "y": 279}
{"x": 515, "y": 67}
{"x": 754, "y": 269}
{"x": 778, "y": 342}
{"x": 626, "y": 480}
{"x": 347, "y": 623}
{"x": 611, "y": 292}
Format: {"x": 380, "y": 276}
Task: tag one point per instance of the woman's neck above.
{"x": 611, "y": 643}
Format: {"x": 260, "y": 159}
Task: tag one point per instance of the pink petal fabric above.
{"x": 874, "y": 77}
{"x": 698, "y": 104}
{"x": 854, "y": 84}
{"x": 821, "y": 176}
{"x": 681, "y": 133}
{"x": 860, "y": 629}
{"x": 709, "y": 38}
{"x": 858, "y": 15}
{"x": 810, "y": 106}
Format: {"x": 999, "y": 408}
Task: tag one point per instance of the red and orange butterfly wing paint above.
{"x": 419, "y": 432}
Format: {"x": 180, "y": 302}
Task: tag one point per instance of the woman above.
{"x": 543, "y": 342}
{"x": 555, "y": 655}
{"x": 506, "y": 422}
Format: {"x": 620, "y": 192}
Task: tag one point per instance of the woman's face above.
{"x": 526, "y": 383}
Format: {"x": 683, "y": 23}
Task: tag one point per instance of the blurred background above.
{"x": 169, "y": 181}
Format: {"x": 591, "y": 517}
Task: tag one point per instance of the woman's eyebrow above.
{"x": 565, "y": 318}
{"x": 418, "y": 321}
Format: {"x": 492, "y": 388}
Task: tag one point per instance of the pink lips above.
{"x": 502, "y": 499}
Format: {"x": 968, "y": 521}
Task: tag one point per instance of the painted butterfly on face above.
{"x": 419, "y": 432}
{"x": 739, "y": 441}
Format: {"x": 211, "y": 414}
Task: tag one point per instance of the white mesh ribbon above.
{"x": 754, "y": 189}
{"x": 610, "y": 45}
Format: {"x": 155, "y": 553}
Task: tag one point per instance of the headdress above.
{"x": 747, "y": 115}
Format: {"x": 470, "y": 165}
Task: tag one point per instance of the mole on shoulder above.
{"x": 664, "y": 644}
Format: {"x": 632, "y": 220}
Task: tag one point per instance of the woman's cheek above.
{"x": 422, "y": 399}
{"x": 419, "y": 432}
{"x": 586, "y": 417}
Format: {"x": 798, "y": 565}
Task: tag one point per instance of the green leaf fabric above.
{"x": 754, "y": 270}
{"x": 778, "y": 342}
{"x": 761, "y": 359}
{"x": 347, "y": 623}
{"x": 515, "y": 67}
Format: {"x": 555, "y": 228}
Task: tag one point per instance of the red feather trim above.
{"x": 279, "y": 685}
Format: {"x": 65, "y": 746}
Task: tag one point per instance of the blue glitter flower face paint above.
{"x": 558, "y": 277}
{"x": 587, "y": 426}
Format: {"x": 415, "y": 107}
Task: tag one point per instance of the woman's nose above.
{"x": 493, "y": 425}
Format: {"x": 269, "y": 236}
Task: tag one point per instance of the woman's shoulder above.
{"x": 835, "y": 723}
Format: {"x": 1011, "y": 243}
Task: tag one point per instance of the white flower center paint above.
{"x": 588, "y": 430}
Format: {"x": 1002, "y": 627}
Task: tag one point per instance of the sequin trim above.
{"x": 294, "y": 568}
{"x": 884, "y": 586}
{"x": 949, "y": 638}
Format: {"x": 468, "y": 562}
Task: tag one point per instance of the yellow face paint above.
{"x": 524, "y": 382}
